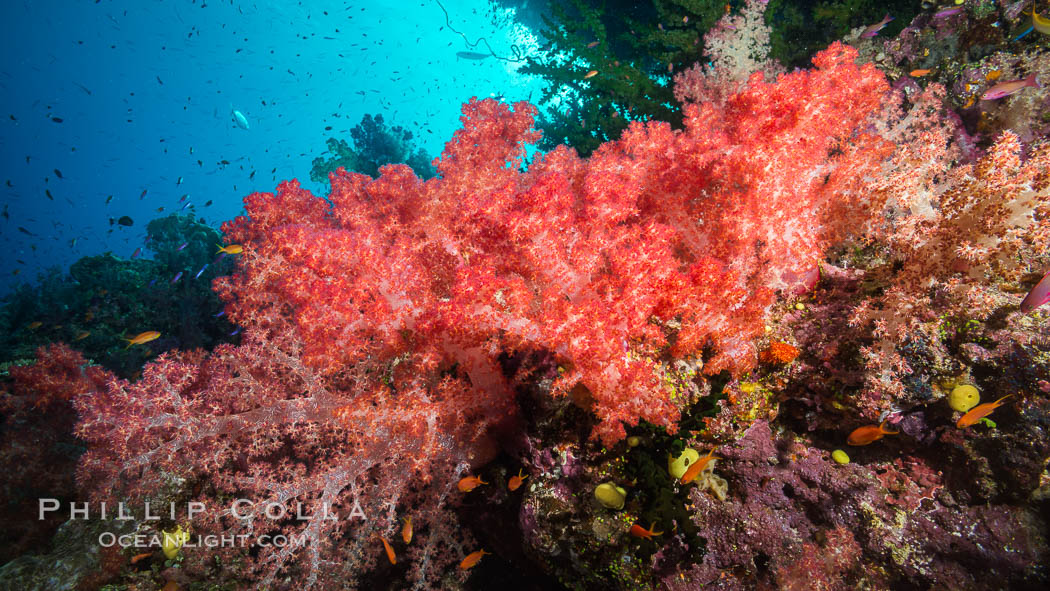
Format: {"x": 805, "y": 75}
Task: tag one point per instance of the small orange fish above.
{"x": 979, "y": 412}
{"x": 406, "y": 531}
{"x": 640, "y": 532}
{"x": 868, "y": 434}
{"x": 230, "y": 249}
{"x": 389, "y": 551}
{"x": 83, "y": 335}
{"x": 140, "y": 557}
{"x": 469, "y": 483}
{"x": 142, "y": 337}
{"x": 472, "y": 559}
{"x": 993, "y": 75}
{"x": 34, "y": 325}
{"x": 918, "y": 73}
{"x": 515, "y": 481}
{"x": 698, "y": 466}
{"x": 592, "y": 45}
{"x": 590, "y": 74}
{"x": 969, "y": 103}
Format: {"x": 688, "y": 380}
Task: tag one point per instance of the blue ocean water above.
{"x": 120, "y": 108}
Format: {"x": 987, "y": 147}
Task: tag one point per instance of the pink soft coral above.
{"x": 253, "y": 423}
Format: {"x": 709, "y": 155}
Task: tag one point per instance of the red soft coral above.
{"x": 37, "y": 442}
{"x": 660, "y": 238}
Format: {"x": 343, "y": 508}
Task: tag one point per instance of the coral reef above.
{"x": 105, "y": 297}
{"x": 969, "y": 49}
{"x": 373, "y": 144}
{"x": 671, "y": 340}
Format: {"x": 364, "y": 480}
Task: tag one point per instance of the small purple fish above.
{"x": 152, "y": 281}
{"x": 177, "y": 277}
{"x": 136, "y": 254}
{"x": 873, "y": 30}
{"x": 236, "y": 332}
{"x": 197, "y": 276}
{"x": 182, "y": 246}
{"x": 947, "y": 12}
{"x": 219, "y": 258}
{"x": 1039, "y": 295}
{"x": 1005, "y": 89}
{"x": 220, "y": 314}
{"x": 185, "y": 205}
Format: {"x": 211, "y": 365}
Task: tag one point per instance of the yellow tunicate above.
{"x": 678, "y": 466}
{"x": 634, "y": 441}
{"x": 840, "y": 456}
{"x": 610, "y": 495}
{"x": 172, "y": 541}
{"x": 963, "y": 397}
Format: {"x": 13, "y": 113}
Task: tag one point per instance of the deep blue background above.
{"x": 146, "y": 89}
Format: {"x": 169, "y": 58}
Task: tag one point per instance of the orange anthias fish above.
{"x": 697, "y": 467}
{"x": 979, "y": 412}
{"x": 469, "y": 483}
{"x": 472, "y": 559}
{"x": 590, "y": 74}
{"x": 406, "y": 531}
{"x": 868, "y": 434}
{"x": 230, "y": 249}
{"x": 140, "y": 557}
{"x": 917, "y": 73}
{"x": 142, "y": 337}
{"x": 640, "y": 532}
{"x": 389, "y": 551}
{"x": 83, "y": 335}
{"x": 515, "y": 481}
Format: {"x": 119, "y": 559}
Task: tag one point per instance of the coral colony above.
{"x": 777, "y": 347}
